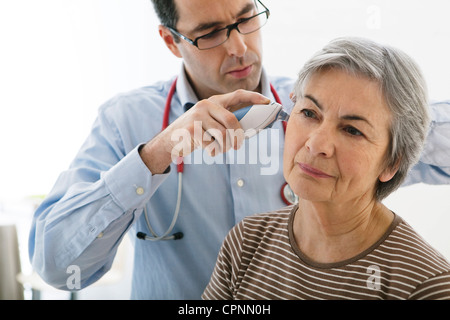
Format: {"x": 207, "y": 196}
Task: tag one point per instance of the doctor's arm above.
{"x": 434, "y": 164}
{"x": 94, "y": 203}
{"x": 90, "y": 209}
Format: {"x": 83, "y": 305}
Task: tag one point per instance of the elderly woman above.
{"x": 358, "y": 125}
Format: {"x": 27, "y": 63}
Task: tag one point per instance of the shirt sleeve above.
{"x": 434, "y": 164}
{"x": 435, "y": 288}
{"x": 90, "y": 208}
{"x": 224, "y": 279}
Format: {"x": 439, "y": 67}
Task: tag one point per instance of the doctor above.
{"x": 125, "y": 172}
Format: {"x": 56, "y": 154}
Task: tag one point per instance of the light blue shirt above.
{"x": 434, "y": 164}
{"x": 102, "y": 195}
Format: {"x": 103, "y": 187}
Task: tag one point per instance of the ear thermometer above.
{"x": 257, "y": 117}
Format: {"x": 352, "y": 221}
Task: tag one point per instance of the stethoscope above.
{"x": 287, "y": 195}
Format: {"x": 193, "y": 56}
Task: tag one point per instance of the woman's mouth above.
{"x": 313, "y": 172}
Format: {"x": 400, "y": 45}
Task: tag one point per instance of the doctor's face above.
{"x": 236, "y": 64}
{"x": 337, "y": 138}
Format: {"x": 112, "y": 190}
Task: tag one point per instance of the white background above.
{"x": 61, "y": 59}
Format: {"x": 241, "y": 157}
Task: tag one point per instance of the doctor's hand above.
{"x": 209, "y": 124}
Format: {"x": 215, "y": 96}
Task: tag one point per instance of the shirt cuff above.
{"x": 131, "y": 183}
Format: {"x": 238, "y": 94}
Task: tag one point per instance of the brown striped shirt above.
{"x": 259, "y": 259}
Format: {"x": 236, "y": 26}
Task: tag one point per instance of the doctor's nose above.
{"x": 236, "y": 44}
{"x": 320, "y": 143}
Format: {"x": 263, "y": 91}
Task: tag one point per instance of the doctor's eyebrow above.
{"x": 351, "y": 117}
{"x": 208, "y": 25}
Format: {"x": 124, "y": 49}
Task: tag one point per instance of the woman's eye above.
{"x": 308, "y": 113}
{"x": 353, "y": 131}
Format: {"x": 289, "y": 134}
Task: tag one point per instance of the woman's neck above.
{"x": 328, "y": 233}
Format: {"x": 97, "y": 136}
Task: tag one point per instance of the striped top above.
{"x": 259, "y": 259}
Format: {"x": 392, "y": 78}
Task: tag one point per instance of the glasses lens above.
{"x": 212, "y": 39}
{"x": 216, "y": 38}
{"x": 253, "y": 24}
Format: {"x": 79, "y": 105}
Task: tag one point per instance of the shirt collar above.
{"x": 265, "y": 86}
{"x": 188, "y": 97}
{"x": 184, "y": 90}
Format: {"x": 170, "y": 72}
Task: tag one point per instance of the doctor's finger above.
{"x": 238, "y": 99}
{"x": 219, "y": 144}
{"x": 218, "y": 137}
{"x": 213, "y": 115}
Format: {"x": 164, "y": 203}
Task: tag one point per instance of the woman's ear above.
{"x": 293, "y": 97}
{"x": 169, "y": 40}
{"x": 389, "y": 172}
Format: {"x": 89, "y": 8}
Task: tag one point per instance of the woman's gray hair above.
{"x": 403, "y": 88}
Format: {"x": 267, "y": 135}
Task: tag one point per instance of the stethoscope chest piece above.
{"x": 288, "y": 196}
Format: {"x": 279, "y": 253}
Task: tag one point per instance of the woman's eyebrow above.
{"x": 356, "y": 118}
{"x": 314, "y": 100}
{"x": 352, "y": 117}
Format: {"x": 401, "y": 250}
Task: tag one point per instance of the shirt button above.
{"x": 240, "y": 183}
{"x": 140, "y": 191}
{"x": 100, "y": 235}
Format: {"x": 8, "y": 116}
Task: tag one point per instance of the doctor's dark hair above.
{"x": 167, "y": 13}
{"x": 403, "y": 88}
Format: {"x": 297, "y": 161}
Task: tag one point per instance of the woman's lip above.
{"x": 241, "y": 73}
{"x": 313, "y": 171}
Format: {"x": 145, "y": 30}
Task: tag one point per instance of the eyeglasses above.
{"x": 217, "y": 37}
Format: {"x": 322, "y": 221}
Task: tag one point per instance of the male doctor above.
{"x": 126, "y": 170}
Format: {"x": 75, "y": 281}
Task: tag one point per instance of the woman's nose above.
{"x": 321, "y": 142}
